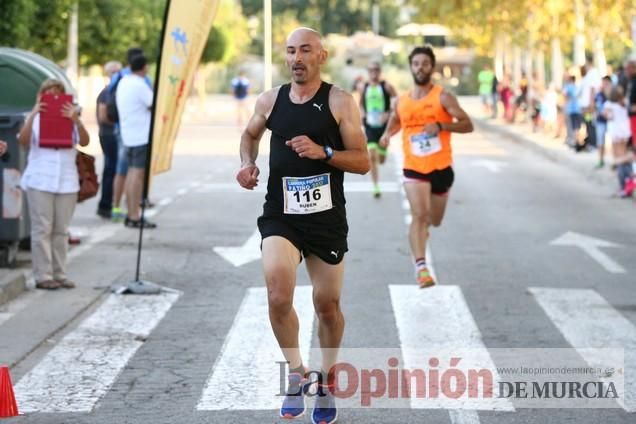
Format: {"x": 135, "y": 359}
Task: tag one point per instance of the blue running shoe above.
{"x": 294, "y": 402}
{"x": 325, "y": 411}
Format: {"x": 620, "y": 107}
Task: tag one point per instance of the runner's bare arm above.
{"x": 355, "y": 157}
{"x": 392, "y": 127}
{"x": 247, "y": 176}
{"x": 255, "y": 128}
{"x": 392, "y": 93}
{"x": 462, "y": 123}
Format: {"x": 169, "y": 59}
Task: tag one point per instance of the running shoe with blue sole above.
{"x": 294, "y": 402}
{"x": 325, "y": 411}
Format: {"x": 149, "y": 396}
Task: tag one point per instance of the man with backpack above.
{"x": 240, "y": 91}
{"x": 375, "y": 103}
{"x": 108, "y": 139}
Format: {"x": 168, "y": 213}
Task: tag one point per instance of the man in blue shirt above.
{"x": 240, "y": 90}
{"x": 108, "y": 139}
{"x": 572, "y": 111}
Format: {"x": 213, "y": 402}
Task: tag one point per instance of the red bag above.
{"x": 89, "y": 186}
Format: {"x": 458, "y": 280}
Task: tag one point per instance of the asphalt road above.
{"x": 523, "y": 259}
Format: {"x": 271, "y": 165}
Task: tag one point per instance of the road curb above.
{"x": 12, "y": 285}
{"x": 602, "y": 177}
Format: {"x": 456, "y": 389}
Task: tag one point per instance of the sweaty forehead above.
{"x": 422, "y": 57}
{"x": 300, "y": 38}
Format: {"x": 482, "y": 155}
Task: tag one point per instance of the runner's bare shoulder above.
{"x": 340, "y": 102}
{"x": 265, "y": 101}
{"x": 447, "y": 97}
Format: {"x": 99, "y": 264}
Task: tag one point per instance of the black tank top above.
{"x": 313, "y": 119}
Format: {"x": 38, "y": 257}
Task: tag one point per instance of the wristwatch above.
{"x": 329, "y": 152}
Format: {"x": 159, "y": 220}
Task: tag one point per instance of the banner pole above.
{"x": 148, "y": 167}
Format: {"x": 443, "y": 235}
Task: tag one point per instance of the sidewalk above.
{"x": 545, "y": 144}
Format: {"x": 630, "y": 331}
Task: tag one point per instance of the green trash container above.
{"x": 14, "y": 218}
{"x": 21, "y": 74}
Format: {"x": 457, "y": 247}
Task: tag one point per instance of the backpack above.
{"x": 240, "y": 89}
{"x": 111, "y": 104}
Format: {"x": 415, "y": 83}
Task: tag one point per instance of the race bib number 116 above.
{"x": 306, "y": 195}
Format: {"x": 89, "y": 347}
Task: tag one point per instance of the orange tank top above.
{"x": 423, "y": 153}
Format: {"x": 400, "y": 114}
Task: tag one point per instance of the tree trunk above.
{"x": 71, "y": 55}
{"x": 267, "y": 48}
{"x": 516, "y": 65}
{"x": 508, "y": 59}
{"x": 634, "y": 34}
{"x": 579, "y": 38}
{"x": 599, "y": 55}
{"x": 540, "y": 66}
{"x": 500, "y": 46}
{"x": 529, "y": 78}
{"x": 557, "y": 64}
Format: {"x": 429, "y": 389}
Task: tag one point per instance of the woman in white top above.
{"x": 51, "y": 183}
{"x": 619, "y": 131}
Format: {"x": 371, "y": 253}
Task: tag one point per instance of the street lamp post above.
{"x": 267, "y": 40}
{"x": 375, "y": 18}
{"x": 579, "y": 37}
{"x": 72, "y": 56}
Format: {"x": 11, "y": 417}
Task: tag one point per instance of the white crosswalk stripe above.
{"x": 426, "y": 329}
{"x": 589, "y": 323}
{"x": 246, "y": 374}
{"x": 80, "y": 369}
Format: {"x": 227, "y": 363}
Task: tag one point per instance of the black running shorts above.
{"x": 440, "y": 180}
{"x": 373, "y": 134}
{"x": 321, "y": 242}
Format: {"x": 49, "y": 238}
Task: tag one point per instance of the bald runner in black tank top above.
{"x": 311, "y": 232}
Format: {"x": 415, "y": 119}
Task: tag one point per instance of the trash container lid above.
{"x": 21, "y": 73}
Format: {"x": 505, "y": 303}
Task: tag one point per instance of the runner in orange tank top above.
{"x": 427, "y": 116}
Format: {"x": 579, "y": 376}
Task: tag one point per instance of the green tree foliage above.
{"x": 49, "y": 29}
{"x": 15, "y": 21}
{"x": 477, "y": 22}
{"x": 107, "y": 28}
{"x": 216, "y": 47}
{"x": 332, "y": 16}
{"x": 233, "y": 25}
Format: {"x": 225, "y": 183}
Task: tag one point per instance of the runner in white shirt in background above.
{"x": 134, "y": 103}
{"x": 618, "y": 128}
